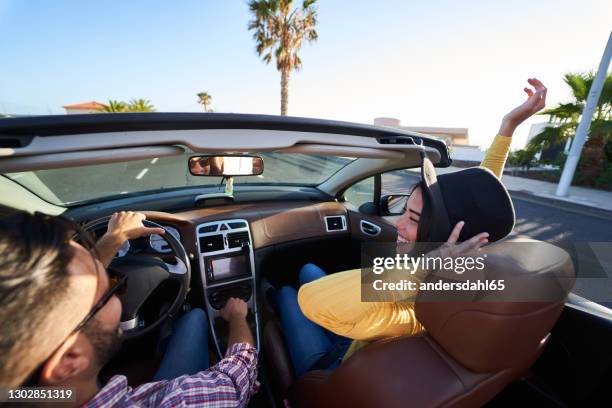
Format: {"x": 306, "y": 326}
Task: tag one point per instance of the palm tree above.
{"x": 140, "y": 105}
{"x": 205, "y": 99}
{"x": 566, "y": 117}
{"x": 279, "y": 31}
{"x": 114, "y": 106}
{"x": 135, "y": 105}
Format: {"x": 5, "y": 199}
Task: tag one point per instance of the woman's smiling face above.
{"x": 408, "y": 224}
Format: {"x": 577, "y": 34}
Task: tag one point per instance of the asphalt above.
{"x": 573, "y": 207}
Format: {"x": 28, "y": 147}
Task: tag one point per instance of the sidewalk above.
{"x": 597, "y": 199}
{"x": 579, "y": 198}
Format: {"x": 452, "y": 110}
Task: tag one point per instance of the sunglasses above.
{"x": 117, "y": 286}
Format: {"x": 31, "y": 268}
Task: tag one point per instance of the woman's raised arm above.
{"x": 495, "y": 159}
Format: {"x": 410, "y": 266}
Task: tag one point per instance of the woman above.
{"x": 320, "y": 321}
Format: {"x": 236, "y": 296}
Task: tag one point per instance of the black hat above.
{"x": 473, "y": 195}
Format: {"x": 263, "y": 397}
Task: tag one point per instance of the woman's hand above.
{"x": 536, "y": 99}
{"x": 450, "y": 248}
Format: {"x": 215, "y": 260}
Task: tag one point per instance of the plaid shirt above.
{"x": 230, "y": 383}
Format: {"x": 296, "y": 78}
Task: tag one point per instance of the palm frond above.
{"x": 605, "y": 99}
{"x": 579, "y": 84}
{"x": 550, "y": 136}
{"x": 564, "y": 111}
{"x": 602, "y": 126}
{"x": 114, "y": 106}
{"x": 140, "y": 105}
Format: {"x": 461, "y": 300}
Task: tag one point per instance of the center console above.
{"x": 227, "y": 266}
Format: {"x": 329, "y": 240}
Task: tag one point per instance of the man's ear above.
{"x": 70, "y": 361}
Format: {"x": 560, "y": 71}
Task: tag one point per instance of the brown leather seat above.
{"x": 277, "y": 356}
{"x": 474, "y": 346}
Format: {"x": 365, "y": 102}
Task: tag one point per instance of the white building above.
{"x": 456, "y": 138}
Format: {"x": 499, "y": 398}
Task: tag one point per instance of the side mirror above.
{"x": 226, "y": 165}
{"x": 393, "y": 204}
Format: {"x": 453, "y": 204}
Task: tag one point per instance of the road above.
{"x": 587, "y": 236}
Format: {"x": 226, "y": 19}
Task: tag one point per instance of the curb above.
{"x": 562, "y": 204}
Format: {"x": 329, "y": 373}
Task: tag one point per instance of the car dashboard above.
{"x": 222, "y": 243}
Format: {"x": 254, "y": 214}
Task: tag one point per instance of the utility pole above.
{"x": 585, "y": 122}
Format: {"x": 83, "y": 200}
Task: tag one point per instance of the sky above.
{"x": 427, "y": 63}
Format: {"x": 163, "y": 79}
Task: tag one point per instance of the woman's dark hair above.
{"x": 423, "y": 231}
{"x": 424, "y": 241}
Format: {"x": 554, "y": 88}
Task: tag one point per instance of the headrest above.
{"x": 489, "y": 330}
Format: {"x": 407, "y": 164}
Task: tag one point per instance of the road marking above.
{"x": 154, "y": 160}
{"x": 141, "y": 174}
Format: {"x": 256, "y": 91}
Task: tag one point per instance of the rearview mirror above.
{"x": 226, "y": 165}
{"x": 393, "y": 204}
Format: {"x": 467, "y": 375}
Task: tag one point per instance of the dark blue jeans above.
{"x": 307, "y": 342}
{"x": 187, "y": 347}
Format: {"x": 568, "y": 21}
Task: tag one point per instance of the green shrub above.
{"x": 608, "y": 151}
{"x": 522, "y": 158}
{"x": 604, "y": 180}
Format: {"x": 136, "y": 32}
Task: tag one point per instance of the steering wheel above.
{"x": 145, "y": 273}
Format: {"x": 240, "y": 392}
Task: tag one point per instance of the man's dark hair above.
{"x": 34, "y": 254}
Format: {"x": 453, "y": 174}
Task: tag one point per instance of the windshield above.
{"x": 74, "y": 185}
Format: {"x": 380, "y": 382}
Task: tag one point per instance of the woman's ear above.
{"x": 71, "y": 360}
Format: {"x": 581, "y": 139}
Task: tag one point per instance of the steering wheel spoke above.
{"x": 128, "y": 325}
{"x": 177, "y": 270}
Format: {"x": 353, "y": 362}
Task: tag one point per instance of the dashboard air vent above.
{"x": 237, "y": 239}
{"x": 211, "y": 243}
{"x": 335, "y": 223}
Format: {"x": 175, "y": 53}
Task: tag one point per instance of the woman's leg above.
{"x": 187, "y": 350}
{"x": 334, "y": 302}
{"x": 306, "y": 341}
{"x": 309, "y": 273}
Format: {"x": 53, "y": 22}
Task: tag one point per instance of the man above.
{"x": 60, "y": 321}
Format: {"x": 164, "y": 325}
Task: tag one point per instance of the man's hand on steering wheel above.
{"x": 122, "y": 226}
{"x": 128, "y": 225}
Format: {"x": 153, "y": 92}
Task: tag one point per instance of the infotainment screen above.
{"x": 224, "y": 268}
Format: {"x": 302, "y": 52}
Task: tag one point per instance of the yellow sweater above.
{"x": 334, "y": 301}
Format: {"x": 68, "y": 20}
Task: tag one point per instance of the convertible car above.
{"x": 246, "y": 200}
